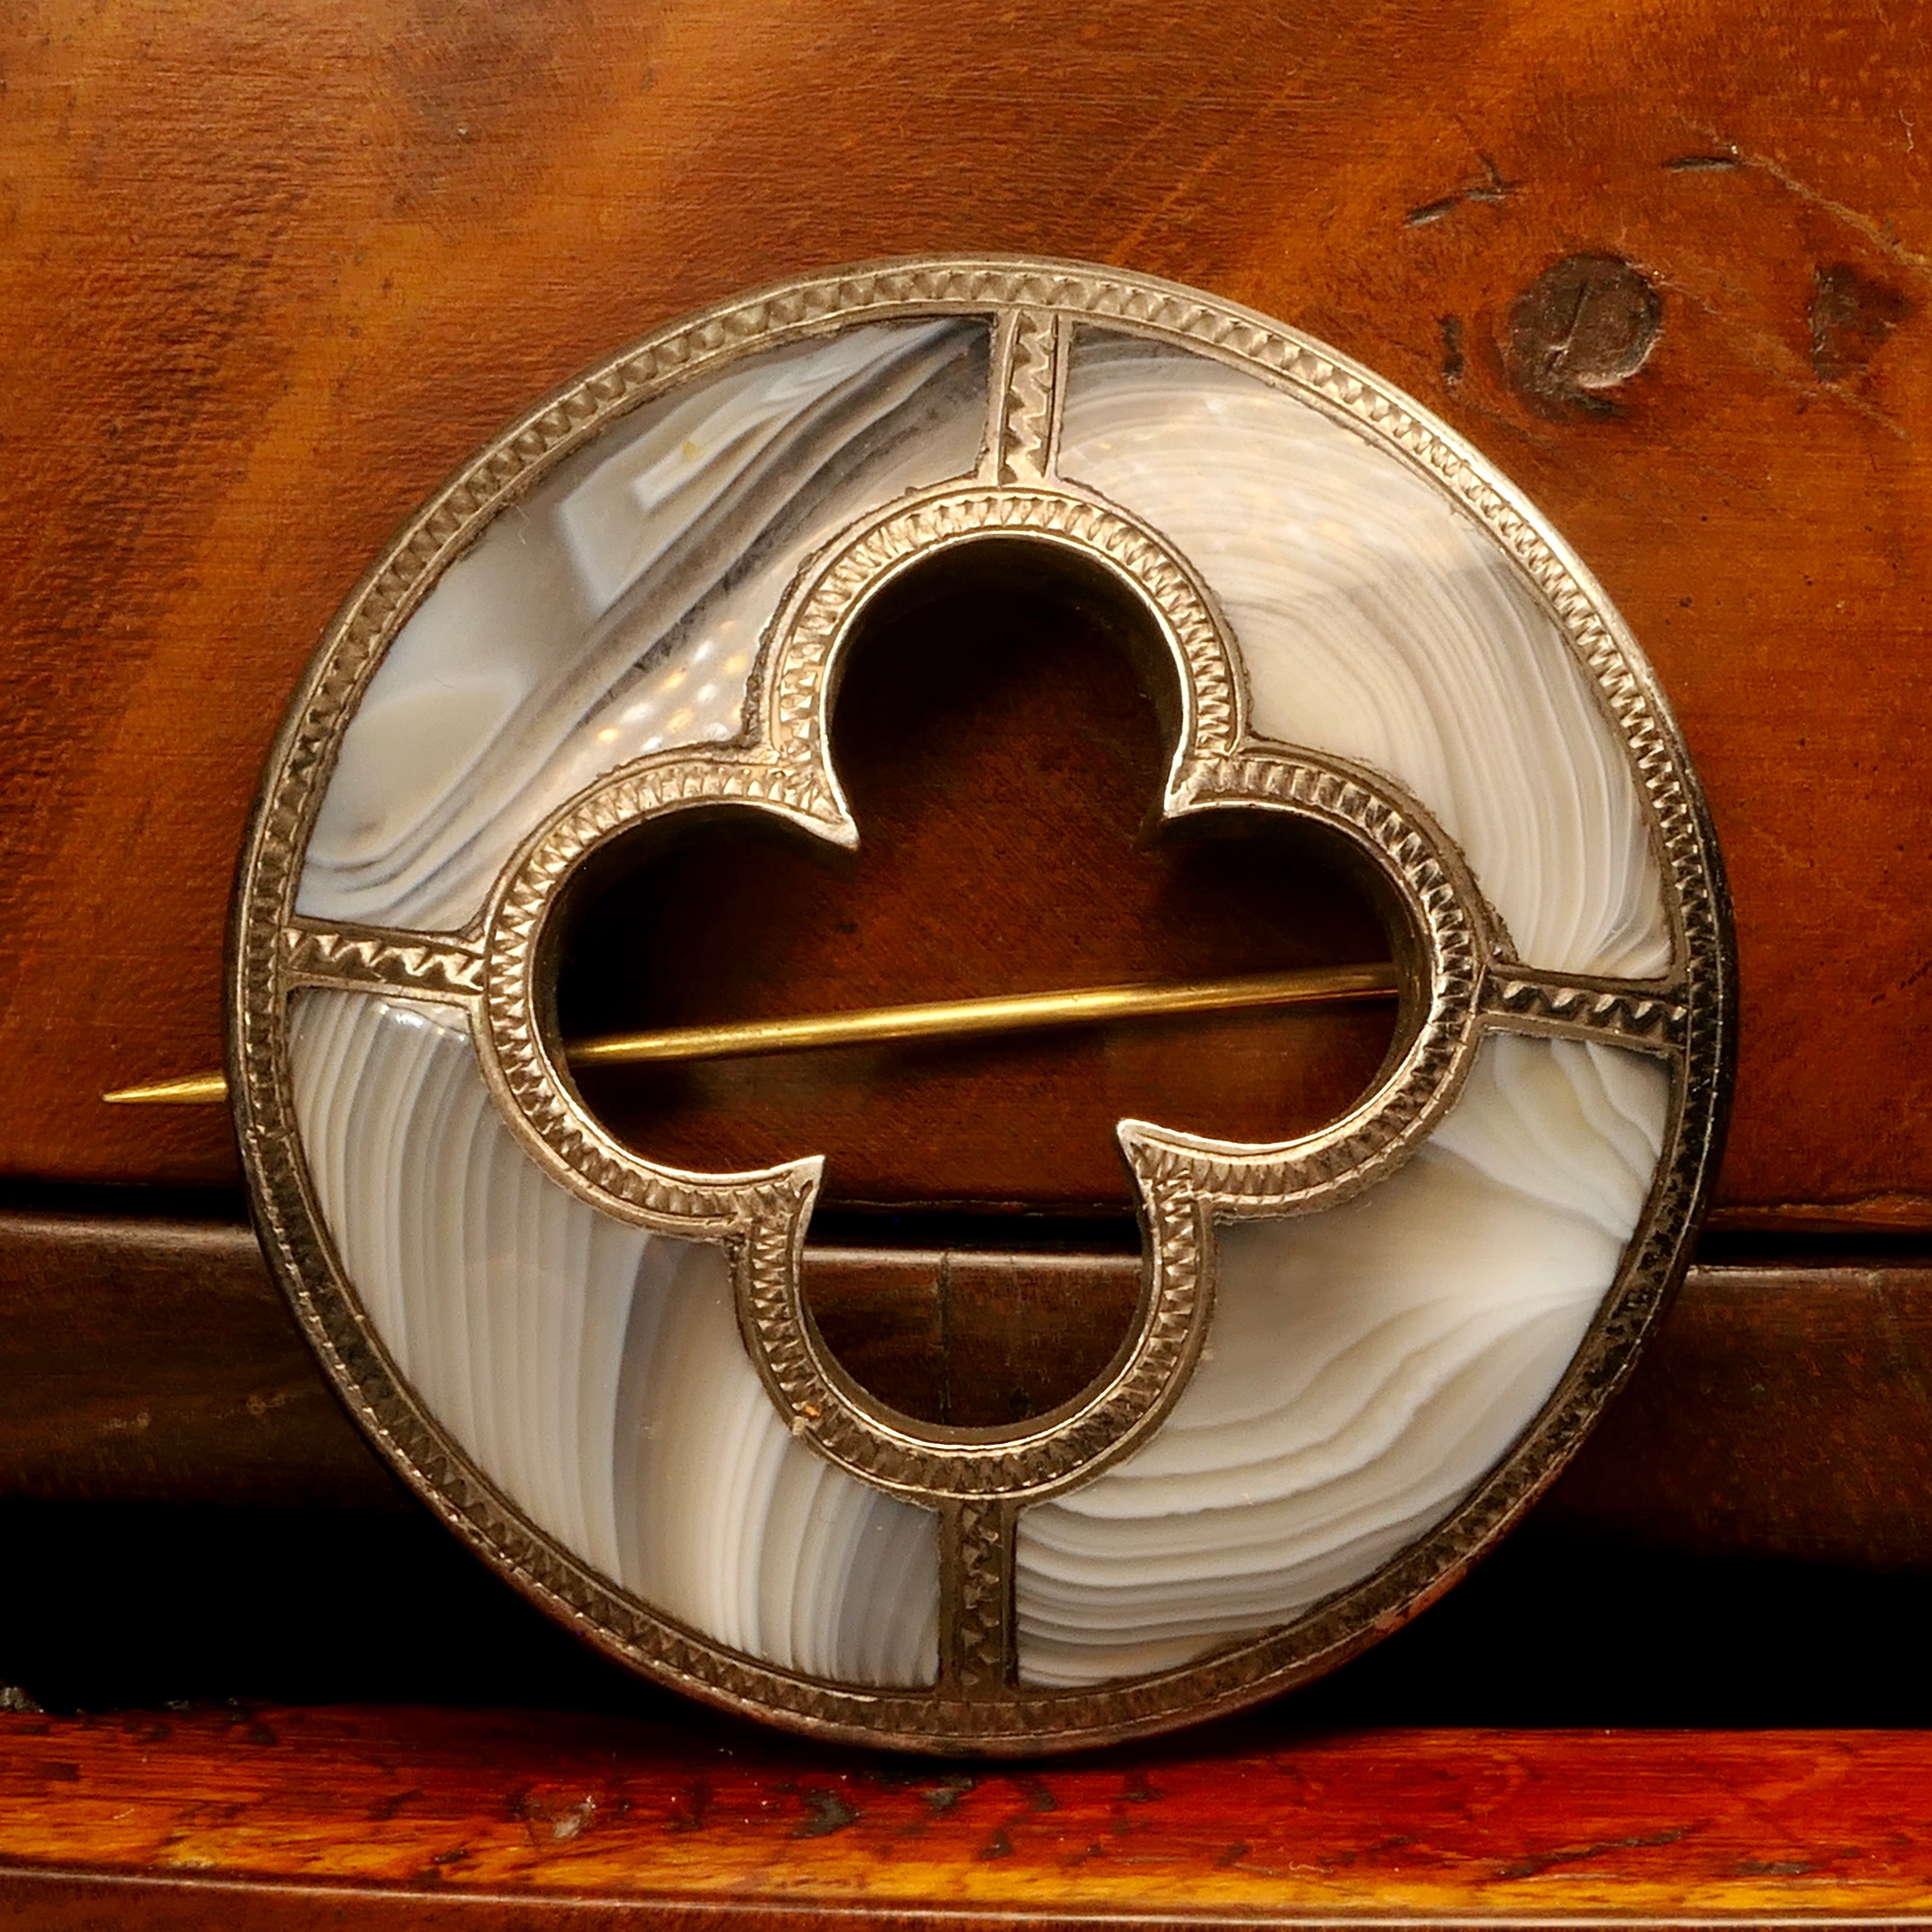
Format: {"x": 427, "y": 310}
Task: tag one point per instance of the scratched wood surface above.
{"x": 272, "y": 270}
{"x": 703, "y": 1822}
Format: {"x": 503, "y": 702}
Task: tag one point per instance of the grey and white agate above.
{"x": 618, "y": 609}
{"x": 1365, "y": 1367}
{"x": 1379, "y": 621}
{"x": 591, "y": 1371}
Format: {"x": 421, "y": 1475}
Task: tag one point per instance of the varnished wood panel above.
{"x": 270, "y": 271}
{"x": 1780, "y": 1412}
{"x": 1783, "y": 1411}
{"x": 156, "y": 1359}
{"x": 705, "y": 1823}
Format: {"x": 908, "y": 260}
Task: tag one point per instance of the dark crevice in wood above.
{"x": 142, "y": 1606}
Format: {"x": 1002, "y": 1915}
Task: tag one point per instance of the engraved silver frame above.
{"x": 1464, "y": 981}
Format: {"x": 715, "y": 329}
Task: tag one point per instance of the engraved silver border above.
{"x": 1473, "y": 984}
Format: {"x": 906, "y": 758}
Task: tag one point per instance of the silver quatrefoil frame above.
{"x": 1463, "y": 982}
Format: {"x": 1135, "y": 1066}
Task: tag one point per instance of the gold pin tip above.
{"x": 195, "y": 1089}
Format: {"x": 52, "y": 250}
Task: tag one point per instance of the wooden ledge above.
{"x": 506, "y": 1818}
{"x": 1781, "y": 1412}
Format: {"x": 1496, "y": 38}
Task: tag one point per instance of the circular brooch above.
{"x": 1358, "y": 1354}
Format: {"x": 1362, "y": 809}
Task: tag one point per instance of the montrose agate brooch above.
{"x": 1358, "y": 1354}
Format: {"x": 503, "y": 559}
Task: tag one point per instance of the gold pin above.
{"x": 938, "y": 1019}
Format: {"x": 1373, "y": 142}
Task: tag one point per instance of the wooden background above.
{"x": 272, "y": 270}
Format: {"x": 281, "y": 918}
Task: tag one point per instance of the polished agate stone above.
{"x": 593, "y": 1370}
{"x": 1365, "y": 1366}
{"x": 1379, "y": 620}
{"x": 618, "y": 609}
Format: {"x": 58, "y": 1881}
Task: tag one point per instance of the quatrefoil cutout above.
{"x": 1358, "y": 1354}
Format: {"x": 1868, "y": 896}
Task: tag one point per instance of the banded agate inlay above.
{"x": 1360, "y": 1352}
{"x": 591, "y": 1370}
{"x": 618, "y": 608}
{"x": 1363, "y": 1369}
{"x": 1380, "y": 621}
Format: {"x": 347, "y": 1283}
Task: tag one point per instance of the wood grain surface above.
{"x": 1779, "y": 1412}
{"x": 704, "y": 1823}
{"x": 273, "y": 267}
